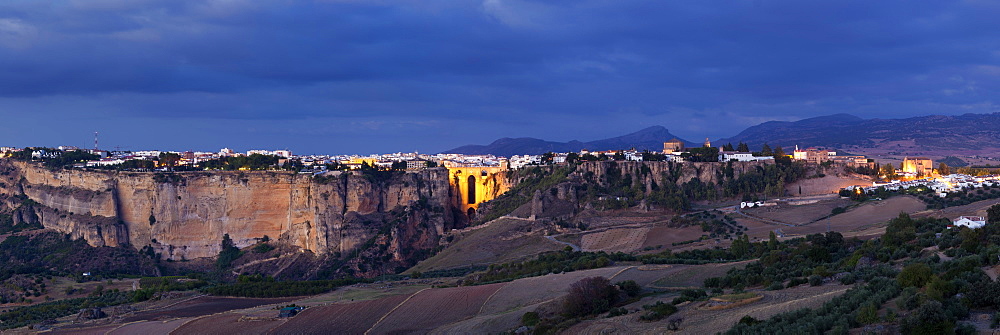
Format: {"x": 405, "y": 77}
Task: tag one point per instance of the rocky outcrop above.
{"x": 185, "y": 215}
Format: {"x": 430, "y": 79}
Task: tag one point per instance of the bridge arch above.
{"x": 471, "y": 194}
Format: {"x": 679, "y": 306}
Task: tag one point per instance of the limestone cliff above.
{"x": 561, "y": 192}
{"x": 185, "y": 215}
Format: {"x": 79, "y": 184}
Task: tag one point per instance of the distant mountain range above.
{"x": 651, "y": 139}
{"x": 968, "y": 132}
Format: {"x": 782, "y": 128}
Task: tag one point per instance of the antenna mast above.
{"x": 95, "y": 141}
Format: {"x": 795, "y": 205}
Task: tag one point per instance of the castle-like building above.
{"x": 921, "y": 166}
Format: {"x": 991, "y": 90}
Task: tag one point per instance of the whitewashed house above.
{"x": 973, "y": 222}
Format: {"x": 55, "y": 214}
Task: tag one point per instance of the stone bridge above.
{"x": 474, "y": 185}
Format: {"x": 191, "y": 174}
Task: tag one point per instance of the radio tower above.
{"x": 95, "y": 141}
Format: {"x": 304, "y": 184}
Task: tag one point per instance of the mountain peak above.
{"x": 649, "y": 138}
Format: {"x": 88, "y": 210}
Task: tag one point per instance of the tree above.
{"x": 868, "y": 314}
{"x": 590, "y": 295}
{"x": 900, "y": 230}
{"x": 743, "y": 147}
{"x": 398, "y": 166}
{"x": 916, "y": 275}
{"x": 888, "y": 171}
{"x": 766, "y": 150}
{"x": 548, "y": 157}
{"x": 778, "y": 151}
{"x": 772, "y": 241}
{"x": 944, "y": 169}
{"x": 702, "y": 154}
{"x": 572, "y": 157}
{"x": 228, "y": 254}
{"x": 728, "y": 147}
{"x": 169, "y": 159}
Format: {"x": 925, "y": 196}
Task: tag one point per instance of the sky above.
{"x": 374, "y": 76}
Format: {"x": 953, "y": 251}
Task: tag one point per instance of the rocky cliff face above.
{"x": 562, "y": 192}
{"x": 185, "y": 215}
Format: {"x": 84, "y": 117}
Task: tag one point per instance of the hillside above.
{"x": 651, "y": 139}
{"x": 968, "y": 132}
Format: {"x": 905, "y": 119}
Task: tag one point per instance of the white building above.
{"x": 106, "y": 162}
{"x": 973, "y": 222}
{"x": 739, "y": 156}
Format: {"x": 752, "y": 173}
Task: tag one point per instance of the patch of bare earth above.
{"x": 859, "y": 220}
{"x": 504, "y": 240}
{"x": 799, "y": 214}
{"x": 229, "y": 323}
{"x": 825, "y": 185}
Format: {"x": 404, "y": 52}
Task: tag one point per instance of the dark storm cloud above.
{"x": 524, "y": 68}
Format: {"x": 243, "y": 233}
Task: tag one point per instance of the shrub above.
{"x": 630, "y": 287}
{"x": 530, "y": 319}
{"x": 657, "y": 311}
{"x": 590, "y": 296}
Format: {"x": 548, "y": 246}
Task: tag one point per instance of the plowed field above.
{"x": 435, "y": 308}
{"x": 352, "y": 318}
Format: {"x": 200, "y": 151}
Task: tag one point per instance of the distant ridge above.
{"x": 650, "y": 138}
{"x": 967, "y": 132}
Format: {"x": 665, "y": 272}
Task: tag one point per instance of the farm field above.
{"x": 504, "y": 240}
{"x": 665, "y": 236}
{"x": 863, "y": 217}
{"x": 226, "y": 323}
{"x": 615, "y": 240}
{"x": 698, "y": 321}
{"x": 422, "y": 312}
{"x": 825, "y": 185}
{"x": 149, "y": 327}
{"x": 346, "y": 318}
{"x": 203, "y": 306}
{"x": 799, "y": 214}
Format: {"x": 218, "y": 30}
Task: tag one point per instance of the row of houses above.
{"x": 941, "y": 185}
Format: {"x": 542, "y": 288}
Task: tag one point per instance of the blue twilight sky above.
{"x": 366, "y": 76}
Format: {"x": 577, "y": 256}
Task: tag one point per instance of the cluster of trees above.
{"x": 741, "y": 147}
{"x": 57, "y": 254}
{"x": 838, "y": 315}
{"x": 258, "y": 286}
{"x": 62, "y": 159}
{"x": 959, "y": 198}
{"x": 23, "y": 316}
{"x": 701, "y": 154}
{"x": 931, "y": 293}
{"x": 171, "y": 283}
{"x": 228, "y": 254}
{"x": 251, "y": 162}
